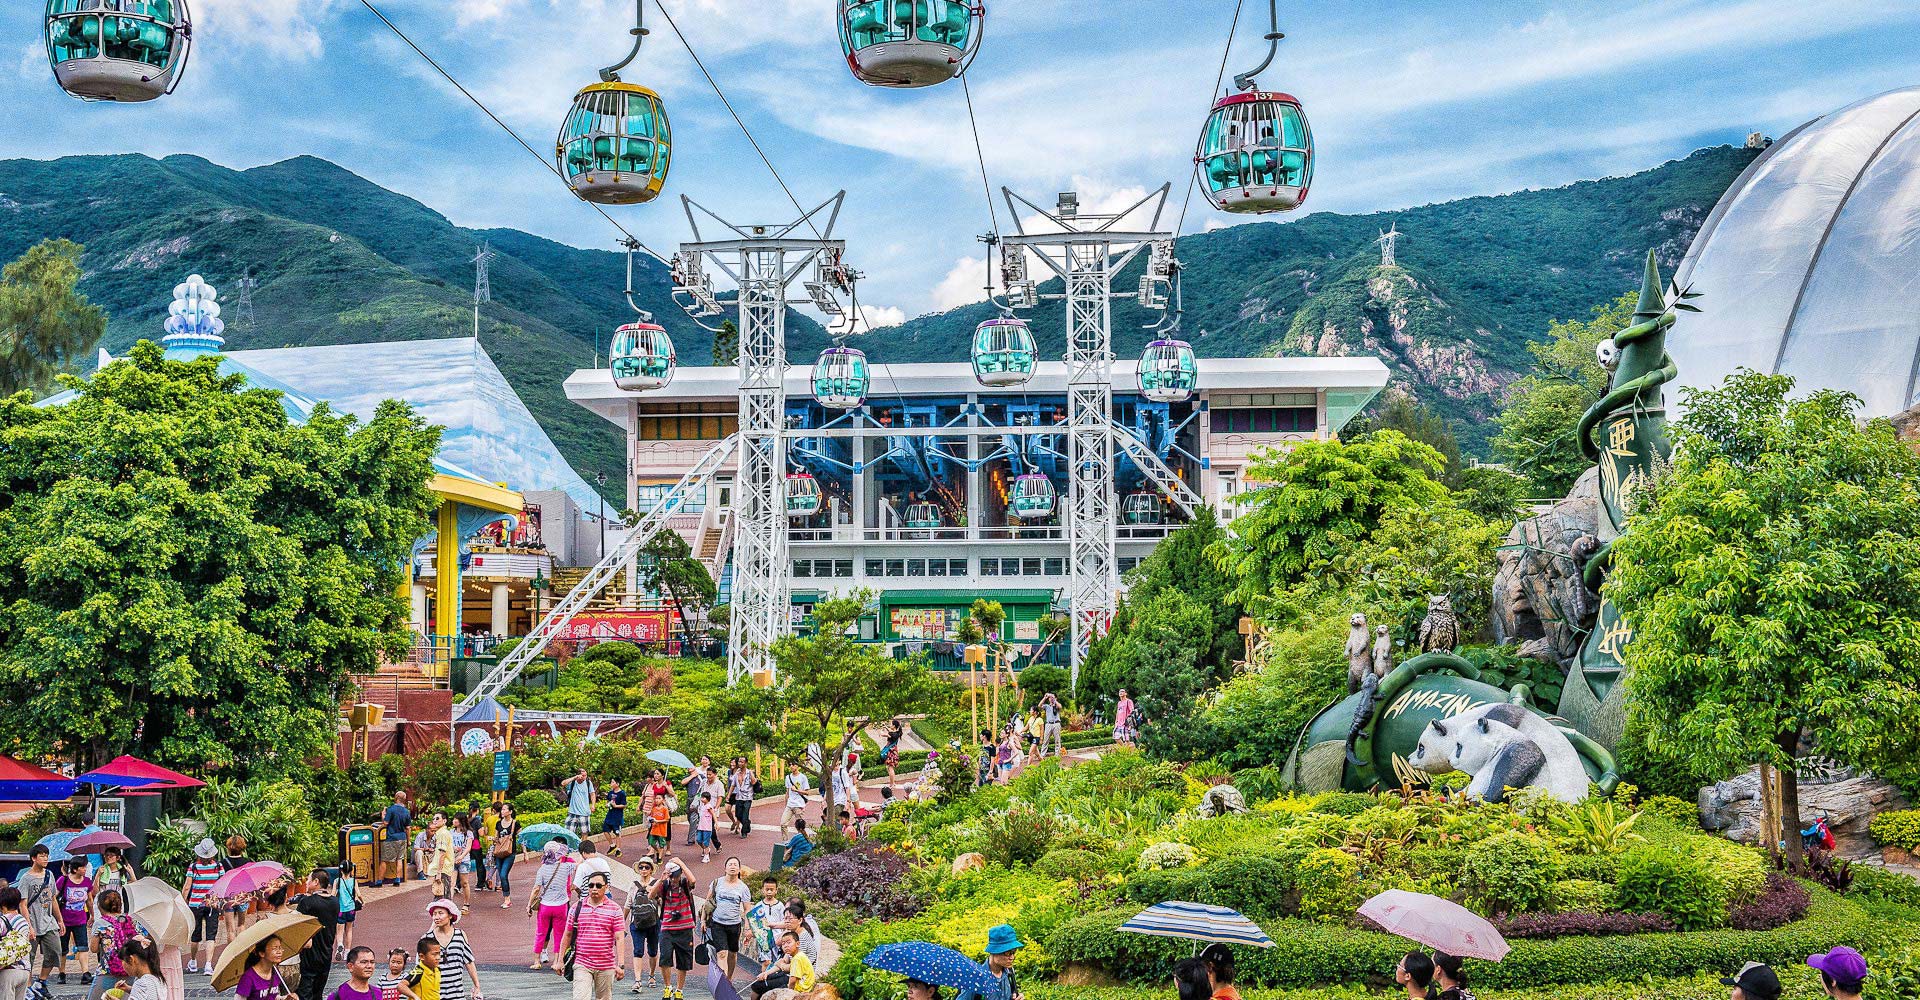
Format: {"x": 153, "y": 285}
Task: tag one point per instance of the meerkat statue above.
{"x": 1359, "y": 653}
{"x": 1382, "y": 652}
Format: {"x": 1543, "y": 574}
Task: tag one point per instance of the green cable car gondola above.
{"x": 615, "y": 146}
{"x": 118, "y": 50}
{"x": 641, "y": 357}
{"x": 840, "y": 378}
{"x": 1003, "y": 352}
{"x": 909, "y": 43}
{"x": 803, "y": 495}
{"x": 1255, "y": 154}
{"x": 1144, "y": 508}
{"x": 1168, "y": 371}
{"x": 923, "y": 516}
{"x": 1032, "y": 497}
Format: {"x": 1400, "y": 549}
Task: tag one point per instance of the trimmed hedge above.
{"x": 1312, "y": 954}
{"x": 1800, "y": 983}
{"x": 1896, "y": 828}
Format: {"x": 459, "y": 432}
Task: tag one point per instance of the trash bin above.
{"x": 360, "y": 847}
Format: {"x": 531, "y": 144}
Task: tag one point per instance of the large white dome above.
{"x": 1810, "y": 264}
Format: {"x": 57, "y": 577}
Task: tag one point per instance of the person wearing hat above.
{"x": 674, "y": 892}
{"x": 1003, "y": 943}
{"x": 459, "y": 974}
{"x": 1842, "y": 971}
{"x": 1754, "y": 981}
{"x": 643, "y": 923}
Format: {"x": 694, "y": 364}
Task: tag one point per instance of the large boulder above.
{"x": 1539, "y": 600}
{"x": 1848, "y": 800}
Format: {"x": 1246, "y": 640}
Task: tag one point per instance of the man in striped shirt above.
{"x": 205, "y": 870}
{"x": 599, "y": 934}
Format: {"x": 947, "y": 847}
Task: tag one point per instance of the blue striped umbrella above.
{"x": 1197, "y": 922}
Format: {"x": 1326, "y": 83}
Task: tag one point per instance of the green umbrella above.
{"x": 536, "y": 836}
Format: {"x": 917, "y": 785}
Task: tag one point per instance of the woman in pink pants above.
{"x": 552, "y": 894}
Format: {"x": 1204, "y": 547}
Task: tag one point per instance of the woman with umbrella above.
{"x": 552, "y": 893}
{"x": 261, "y": 980}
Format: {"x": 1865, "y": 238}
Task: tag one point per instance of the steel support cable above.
{"x": 546, "y": 161}
{"x": 1193, "y": 174}
{"x": 737, "y": 120}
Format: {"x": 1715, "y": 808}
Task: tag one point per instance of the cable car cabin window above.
{"x": 943, "y": 21}
{"x": 74, "y": 38}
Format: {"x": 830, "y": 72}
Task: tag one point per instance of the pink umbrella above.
{"x": 250, "y": 877}
{"x": 97, "y": 841}
{"x": 1436, "y": 923}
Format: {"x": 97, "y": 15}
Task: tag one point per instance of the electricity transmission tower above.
{"x": 1387, "y": 241}
{"x": 247, "y": 284}
{"x": 482, "y": 288}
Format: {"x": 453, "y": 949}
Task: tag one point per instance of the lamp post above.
{"x": 600, "y": 480}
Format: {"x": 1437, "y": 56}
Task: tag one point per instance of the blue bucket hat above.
{"x": 1002, "y": 939}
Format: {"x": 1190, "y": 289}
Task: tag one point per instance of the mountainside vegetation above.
{"x": 339, "y": 259}
{"x": 1474, "y": 282}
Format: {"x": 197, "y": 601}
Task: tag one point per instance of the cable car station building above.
{"x": 936, "y": 489}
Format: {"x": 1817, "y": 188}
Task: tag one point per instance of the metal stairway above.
{"x": 602, "y": 573}
{"x": 1149, "y": 462}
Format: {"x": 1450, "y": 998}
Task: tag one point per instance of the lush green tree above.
{"x": 822, "y": 679}
{"x": 726, "y": 344}
{"x": 1772, "y": 583}
{"x": 1492, "y": 493}
{"x": 190, "y": 576}
{"x": 1414, "y": 552}
{"x": 1182, "y": 562}
{"x": 667, "y": 566}
{"x": 1536, "y": 423}
{"x": 1401, "y": 412}
{"x": 46, "y": 325}
{"x": 1255, "y": 717}
{"x": 1156, "y": 657}
{"x": 1318, "y": 500}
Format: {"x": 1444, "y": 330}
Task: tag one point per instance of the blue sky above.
{"x": 1410, "y": 103}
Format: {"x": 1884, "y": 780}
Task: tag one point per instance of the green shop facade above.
{"x": 908, "y": 621}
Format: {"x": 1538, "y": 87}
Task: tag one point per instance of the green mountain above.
{"x": 1474, "y": 282}
{"x": 341, "y": 260}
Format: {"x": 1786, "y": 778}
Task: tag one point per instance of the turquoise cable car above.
{"x": 1003, "y": 352}
{"x": 803, "y": 495}
{"x": 1032, "y": 497}
{"x": 641, "y": 357}
{"x": 1168, "y": 371}
{"x": 615, "y": 146}
{"x": 118, "y": 50}
{"x": 909, "y": 43}
{"x": 1256, "y": 154}
{"x": 923, "y": 516}
{"x": 1144, "y": 508}
{"x": 840, "y": 378}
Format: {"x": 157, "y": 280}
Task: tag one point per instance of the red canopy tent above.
{"x": 132, "y": 772}
{"x": 23, "y": 782}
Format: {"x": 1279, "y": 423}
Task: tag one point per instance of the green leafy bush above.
{"x": 1315, "y": 954}
{"x": 1571, "y": 894}
{"x": 1510, "y": 872}
{"x": 535, "y": 800}
{"x": 1870, "y": 882}
{"x": 1067, "y": 863}
{"x": 1019, "y": 835}
{"x": 1260, "y": 784}
{"x": 1348, "y": 804}
{"x": 1655, "y": 879}
{"x": 889, "y": 832}
{"x": 1168, "y": 855}
{"x": 1329, "y": 884}
{"x": 1673, "y": 809}
{"x": 1740, "y": 870}
{"x": 1896, "y": 828}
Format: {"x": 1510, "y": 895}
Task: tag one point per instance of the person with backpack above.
{"x": 113, "y": 929}
{"x": 552, "y": 895}
{"x": 674, "y": 893}
{"x": 16, "y": 945}
{"x": 36, "y": 885}
{"x": 643, "y": 924}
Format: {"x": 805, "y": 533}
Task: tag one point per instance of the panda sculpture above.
{"x": 1503, "y": 747}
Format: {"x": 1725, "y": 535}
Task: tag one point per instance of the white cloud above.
{"x": 964, "y": 285}
{"x": 287, "y": 29}
{"x": 876, "y": 317}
